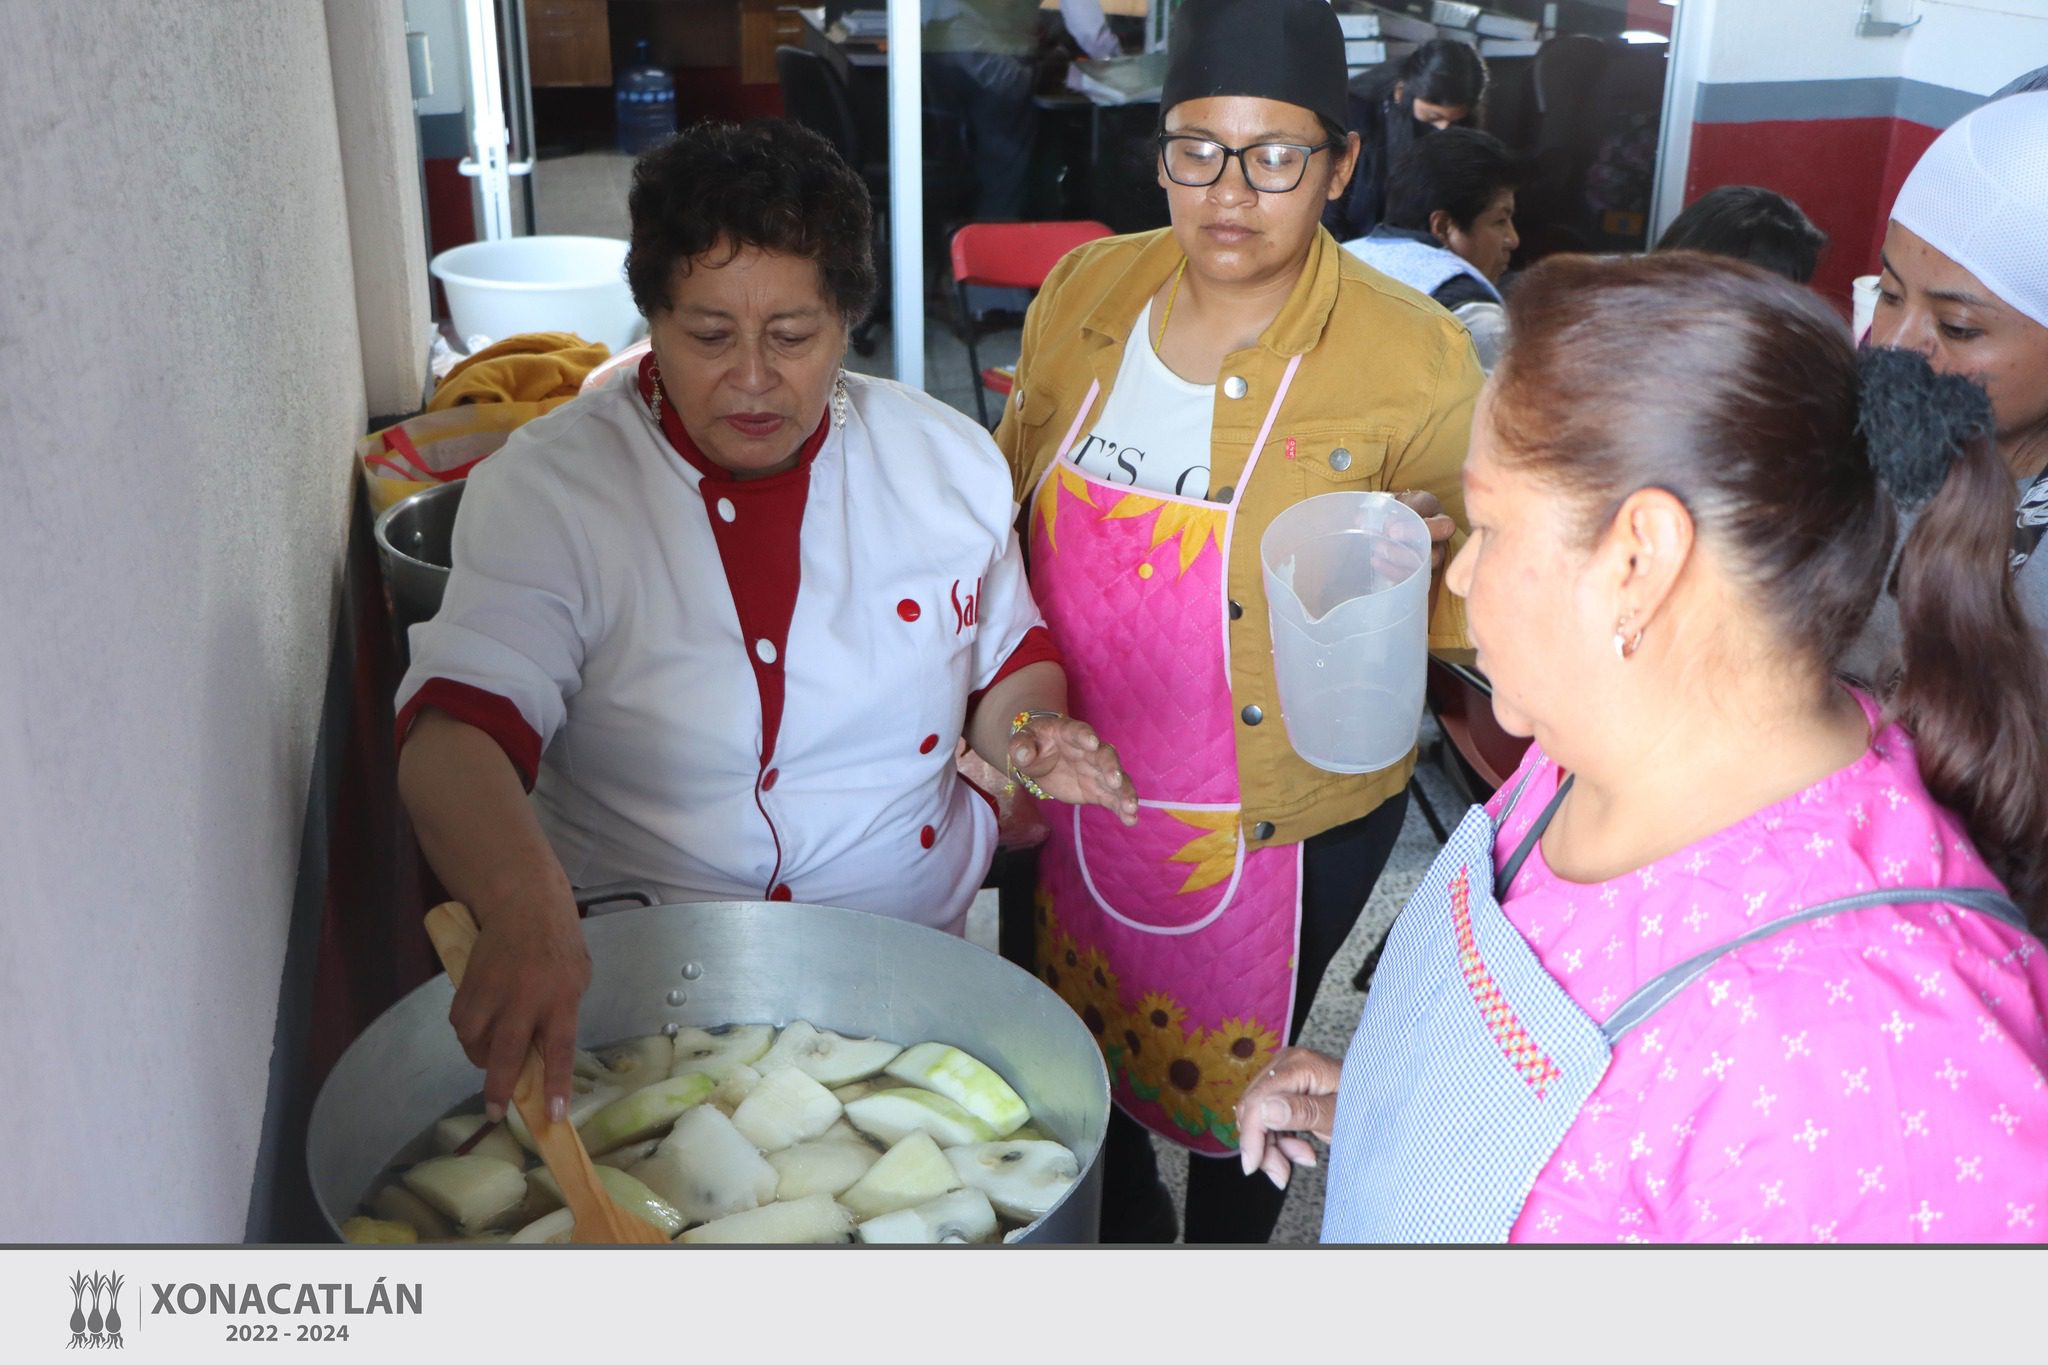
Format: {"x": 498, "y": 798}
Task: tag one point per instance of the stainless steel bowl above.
{"x": 741, "y": 962}
{"x": 415, "y": 538}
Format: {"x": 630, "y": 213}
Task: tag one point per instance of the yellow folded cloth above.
{"x": 541, "y": 368}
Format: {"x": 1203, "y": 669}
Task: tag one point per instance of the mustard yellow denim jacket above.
{"x": 1387, "y": 377}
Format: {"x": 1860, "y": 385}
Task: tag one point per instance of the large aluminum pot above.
{"x": 740, "y": 962}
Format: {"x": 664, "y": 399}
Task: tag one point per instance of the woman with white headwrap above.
{"x": 1966, "y": 283}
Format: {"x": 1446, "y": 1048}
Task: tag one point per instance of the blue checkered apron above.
{"x": 1471, "y": 1062}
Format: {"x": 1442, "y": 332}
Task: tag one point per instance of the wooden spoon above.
{"x": 598, "y": 1216}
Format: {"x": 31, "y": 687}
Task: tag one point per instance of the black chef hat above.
{"x": 1286, "y": 50}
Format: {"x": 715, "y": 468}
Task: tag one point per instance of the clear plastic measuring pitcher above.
{"x": 1347, "y": 589}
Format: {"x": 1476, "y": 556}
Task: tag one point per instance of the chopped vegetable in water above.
{"x": 741, "y": 1134}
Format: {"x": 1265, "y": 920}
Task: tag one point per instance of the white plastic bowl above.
{"x": 540, "y": 284}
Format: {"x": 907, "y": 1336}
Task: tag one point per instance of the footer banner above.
{"x": 977, "y": 1305}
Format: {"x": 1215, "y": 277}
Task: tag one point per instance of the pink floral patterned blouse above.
{"x": 1875, "y": 1076}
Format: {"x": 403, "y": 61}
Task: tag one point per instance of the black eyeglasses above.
{"x": 1269, "y": 167}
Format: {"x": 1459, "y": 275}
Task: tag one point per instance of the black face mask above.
{"x": 1406, "y": 104}
{"x": 1401, "y": 129}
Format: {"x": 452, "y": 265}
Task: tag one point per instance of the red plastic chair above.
{"x": 1007, "y": 256}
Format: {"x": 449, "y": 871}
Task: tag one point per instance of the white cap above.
{"x": 1980, "y": 197}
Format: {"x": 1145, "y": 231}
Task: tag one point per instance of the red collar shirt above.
{"x": 736, "y": 690}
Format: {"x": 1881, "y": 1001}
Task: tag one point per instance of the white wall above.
{"x": 1725, "y": 42}
{"x": 180, "y": 384}
{"x": 1797, "y": 40}
{"x": 1974, "y": 46}
{"x": 380, "y": 169}
{"x": 441, "y": 21}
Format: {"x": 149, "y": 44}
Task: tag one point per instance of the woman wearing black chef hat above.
{"x": 1178, "y": 390}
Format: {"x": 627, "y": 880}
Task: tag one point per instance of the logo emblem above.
{"x": 966, "y": 615}
{"x": 96, "y": 1328}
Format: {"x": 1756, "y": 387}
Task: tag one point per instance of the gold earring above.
{"x": 1625, "y": 646}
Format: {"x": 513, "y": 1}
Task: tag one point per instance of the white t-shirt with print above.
{"x": 1154, "y": 432}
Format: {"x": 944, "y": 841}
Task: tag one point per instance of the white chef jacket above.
{"x": 591, "y": 626}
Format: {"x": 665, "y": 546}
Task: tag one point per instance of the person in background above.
{"x": 1391, "y": 108}
{"x": 980, "y": 64}
{"x": 1737, "y": 954}
{"x": 2034, "y": 81}
{"x": 1965, "y": 283}
{"x": 1450, "y": 229}
{"x": 1177, "y": 391}
{"x": 1751, "y": 224}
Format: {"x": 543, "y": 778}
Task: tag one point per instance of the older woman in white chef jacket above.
{"x": 727, "y": 621}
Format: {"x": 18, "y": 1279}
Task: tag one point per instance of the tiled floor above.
{"x": 587, "y": 194}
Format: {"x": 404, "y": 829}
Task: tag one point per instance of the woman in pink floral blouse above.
{"x": 1739, "y": 954}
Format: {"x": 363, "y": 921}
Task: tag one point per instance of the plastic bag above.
{"x": 435, "y": 447}
{"x": 481, "y": 400}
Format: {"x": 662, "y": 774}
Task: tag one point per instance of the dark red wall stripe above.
{"x": 1839, "y": 149}
{"x": 1836, "y": 170}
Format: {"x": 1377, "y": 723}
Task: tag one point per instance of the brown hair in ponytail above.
{"x": 1731, "y": 389}
{"x": 1975, "y": 690}
{"x": 1739, "y": 393}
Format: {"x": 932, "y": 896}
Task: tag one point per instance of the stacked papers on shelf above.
{"x": 1370, "y": 21}
{"x": 1359, "y": 23}
{"x": 1495, "y": 25}
{"x": 866, "y": 24}
{"x": 1405, "y": 27}
{"x": 1471, "y": 23}
{"x": 1120, "y": 80}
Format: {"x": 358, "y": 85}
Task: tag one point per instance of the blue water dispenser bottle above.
{"x": 646, "y": 102}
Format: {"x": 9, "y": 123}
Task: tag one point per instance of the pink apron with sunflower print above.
{"x": 1173, "y": 942}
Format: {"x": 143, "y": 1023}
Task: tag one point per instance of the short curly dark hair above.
{"x": 768, "y": 184}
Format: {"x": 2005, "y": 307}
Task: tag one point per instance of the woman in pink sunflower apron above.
{"x": 1176, "y": 391}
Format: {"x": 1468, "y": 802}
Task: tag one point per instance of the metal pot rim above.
{"x": 382, "y": 526}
